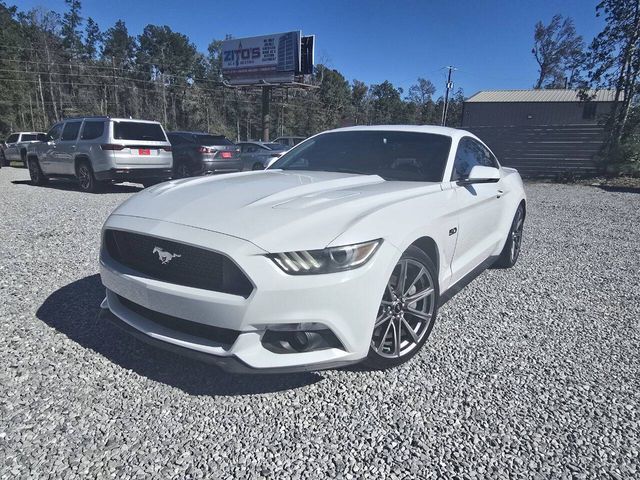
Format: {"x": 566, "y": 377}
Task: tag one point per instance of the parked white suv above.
{"x": 15, "y": 146}
{"x": 102, "y": 149}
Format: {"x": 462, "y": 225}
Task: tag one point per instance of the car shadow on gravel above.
{"x": 73, "y": 310}
{"x": 69, "y": 185}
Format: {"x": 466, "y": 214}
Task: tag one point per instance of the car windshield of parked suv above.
{"x": 29, "y": 137}
{"x": 138, "y": 131}
{"x": 212, "y": 140}
{"x": 393, "y": 155}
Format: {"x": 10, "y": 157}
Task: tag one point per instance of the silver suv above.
{"x": 96, "y": 150}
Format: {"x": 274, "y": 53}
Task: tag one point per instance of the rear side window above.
{"x": 70, "y": 131}
{"x": 29, "y": 137}
{"x": 54, "y": 133}
{"x": 13, "y": 138}
{"x": 138, "y": 131}
{"x": 92, "y": 130}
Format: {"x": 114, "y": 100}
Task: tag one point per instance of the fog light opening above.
{"x": 300, "y": 341}
{"x": 296, "y": 340}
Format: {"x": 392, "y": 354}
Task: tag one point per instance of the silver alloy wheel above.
{"x": 84, "y": 177}
{"x": 406, "y": 310}
{"x": 34, "y": 171}
{"x": 516, "y": 235}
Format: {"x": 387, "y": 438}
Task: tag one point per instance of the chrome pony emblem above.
{"x": 164, "y": 256}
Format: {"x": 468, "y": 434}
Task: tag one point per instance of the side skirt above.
{"x": 466, "y": 280}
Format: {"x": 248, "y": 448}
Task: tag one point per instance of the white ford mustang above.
{"x": 341, "y": 252}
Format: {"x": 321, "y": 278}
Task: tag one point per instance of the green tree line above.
{"x": 56, "y": 65}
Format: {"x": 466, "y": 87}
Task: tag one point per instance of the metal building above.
{"x": 541, "y": 132}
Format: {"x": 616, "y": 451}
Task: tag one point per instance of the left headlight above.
{"x": 328, "y": 260}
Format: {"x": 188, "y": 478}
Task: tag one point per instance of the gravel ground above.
{"x": 529, "y": 373}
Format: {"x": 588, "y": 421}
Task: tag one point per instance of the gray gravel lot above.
{"x": 529, "y": 373}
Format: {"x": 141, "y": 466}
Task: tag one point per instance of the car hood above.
{"x": 274, "y": 209}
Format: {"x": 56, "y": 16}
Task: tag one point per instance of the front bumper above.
{"x": 346, "y": 303}
{"x": 134, "y": 174}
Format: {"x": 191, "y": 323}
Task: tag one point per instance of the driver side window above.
{"x": 469, "y": 154}
{"x": 54, "y": 133}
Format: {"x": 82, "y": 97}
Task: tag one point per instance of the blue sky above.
{"x": 488, "y": 40}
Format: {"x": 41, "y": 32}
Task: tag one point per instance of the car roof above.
{"x": 182, "y": 132}
{"x": 104, "y": 117}
{"x": 29, "y": 133}
{"x": 434, "y": 129}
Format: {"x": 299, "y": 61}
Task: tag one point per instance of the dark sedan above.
{"x": 199, "y": 153}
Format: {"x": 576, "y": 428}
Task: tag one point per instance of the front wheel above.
{"x": 406, "y": 313}
{"x": 35, "y": 172}
{"x": 511, "y": 251}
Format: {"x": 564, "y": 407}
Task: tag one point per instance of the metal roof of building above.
{"x": 509, "y": 96}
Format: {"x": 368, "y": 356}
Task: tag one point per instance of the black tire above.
{"x": 395, "y": 311}
{"x": 182, "y": 170}
{"x": 35, "y": 172}
{"x": 86, "y": 178}
{"x": 257, "y": 166}
{"x": 23, "y": 157}
{"x": 3, "y": 159}
{"x": 511, "y": 251}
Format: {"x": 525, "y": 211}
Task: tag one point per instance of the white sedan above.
{"x": 341, "y": 252}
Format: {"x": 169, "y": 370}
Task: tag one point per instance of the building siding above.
{"x": 531, "y": 113}
{"x": 547, "y": 150}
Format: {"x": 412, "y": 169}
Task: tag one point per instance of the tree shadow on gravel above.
{"x": 70, "y": 185}
{"x": 73, "y": 310}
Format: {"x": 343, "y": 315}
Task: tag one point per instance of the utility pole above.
{"x": 446, "y": 95}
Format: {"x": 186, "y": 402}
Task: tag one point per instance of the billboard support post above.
{"x": 266, "y": 112}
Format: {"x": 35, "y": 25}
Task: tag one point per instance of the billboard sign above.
{"x": 272, "y": 58}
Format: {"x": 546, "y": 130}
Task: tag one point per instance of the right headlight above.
{"x": 328, "y": 260}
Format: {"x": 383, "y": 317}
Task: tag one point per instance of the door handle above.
{"x": 500, "y": 193}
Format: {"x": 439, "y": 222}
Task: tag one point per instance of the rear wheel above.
{"x": 406, "y": 313}
{"x": 23, "y": 157}
{"x": 35, "y": 172}
{"x": 86, "y": 178}
{"x": 3, "y": 159}
{"x": 511, "y": 251}
{"x": 181, "y": 170}
{"x": 257, "y": 166}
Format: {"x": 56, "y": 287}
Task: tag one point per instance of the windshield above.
{"x": 138, "y": 131}
{"x": 393, "y": 155}
{"x": 212, "y": 140}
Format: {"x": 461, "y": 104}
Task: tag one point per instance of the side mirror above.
{"x": 481, "y": 174}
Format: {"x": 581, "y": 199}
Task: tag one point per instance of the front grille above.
{"x": 224, "y": 336}
{"x": 183, "y": 264}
